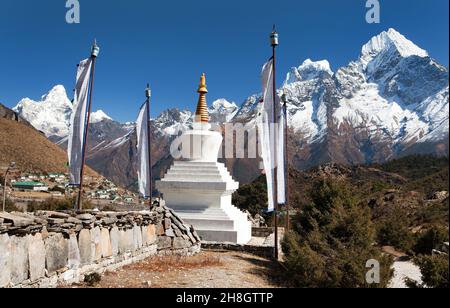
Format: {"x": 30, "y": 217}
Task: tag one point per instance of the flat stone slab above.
{"x": 84, "y": 244}
{"x": 19, "y": 260}
{"x": 5, "y": 259}
{"x": 105, "y": 243}
{"x": 114, "y": 236}
{"x": 95, "y": 243}
{"x": 74, "y": 252}
{"x": 57, "y": 252}
{"x": 148, "y": 234}
{"x": 36, "y": 257}
{"x": 126, "y": 240}
{"x": 180, "y": 243}
{"x": 137, "y": 237}
{"x": 16, "y": 220}
{"x": 164, "y": 242}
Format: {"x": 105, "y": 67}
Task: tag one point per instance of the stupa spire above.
{"x": 201, "y": 114}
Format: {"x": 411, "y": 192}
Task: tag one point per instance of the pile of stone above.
{"x": 173, "y": 232}
{"x": 47, "y": 248}
{"x": 257, "y": 221}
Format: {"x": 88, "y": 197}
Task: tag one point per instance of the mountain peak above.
{"x": 222, "y": 103}
{"x": 99, "y": 116}
{"x": 387, "y": 40}
{"x": 50, "y": 115}
{"x": 57, "y": 93}
{"x": 222, "y": 111}
{"x": 308, "y": 70}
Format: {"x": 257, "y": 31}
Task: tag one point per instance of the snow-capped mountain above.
{"x": 98, "y": 116}
{"x": 222, "y": 111}
{"x": 307, "y": 71}
{"x": 171, "y": 121}
{"x": 393, "y": 94}
{"x": 51, "y": 114}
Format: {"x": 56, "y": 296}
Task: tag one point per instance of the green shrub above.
{"x": 434, "y": 271}
{"x": 393, "y": 230}
{"x": 56, "y": 205}
{"x": 92, "y": 279}
{"x": 332, "y": 241}
{"x": 379, "y": 186}
{"x": 434, "y": 213}
{"x": 10, "y": 206}
{"x": 252, "y": 197}
{"x": 431, "y": 239}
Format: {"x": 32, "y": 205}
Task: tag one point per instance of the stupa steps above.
{"x": 199, "y": 177}
{"x": 212, "y": 211}
{"x": 210, "y": 223}
{"x": 202, "y": 170}
{"x": 200, "y": 210}
{"x": 208, "y": 235}
{"x": 196, "y": 164}
{"x": 205, "y": 216}
{"x": 183, "y": 172}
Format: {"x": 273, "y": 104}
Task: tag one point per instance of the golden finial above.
{"x": 201, "y": 114}
{"x": 202, "y": 87}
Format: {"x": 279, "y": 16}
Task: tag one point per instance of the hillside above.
{"x": 409, "y": 181}
{"x": 30, "y": 149}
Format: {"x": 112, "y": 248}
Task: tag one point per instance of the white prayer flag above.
{"x": 143, "y": 151}
{"x": 281, "y": 176}
{"x": 78, "y": 121}
{"x": 271, "y": 138}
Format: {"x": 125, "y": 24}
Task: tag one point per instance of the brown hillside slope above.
{"x": 31, "y": 150}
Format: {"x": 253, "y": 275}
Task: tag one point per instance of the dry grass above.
{"x": 208, "y": 269}
{"x": 168, "y": 263}
{"x": 30, "y": 149}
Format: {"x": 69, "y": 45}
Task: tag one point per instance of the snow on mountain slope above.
{"x": 99, "y": 116}
{"x": 222, "y": 111}
{"x": 387, "y": 41}
{"x": 307, "y": 71}
{"x": 171, "y": 121}
{"x": 117, "y": 142}
{"x": 394, "y": 92}
{"x": 50, "y": 115}
{"x": 379, "y": 116}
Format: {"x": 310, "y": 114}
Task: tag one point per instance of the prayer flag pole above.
{"x": 94, "y": 53}
{"x": 148, "y": 94}
{"x": 274, "y": 43}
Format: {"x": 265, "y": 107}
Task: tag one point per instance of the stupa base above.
{"x": 200, "y": 193}
{"x": 219, "y": 225}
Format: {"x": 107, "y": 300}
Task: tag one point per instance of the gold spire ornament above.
{"x": 201, "y": 114}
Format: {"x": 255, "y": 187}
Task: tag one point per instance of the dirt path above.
{"x": 208, "y": 269}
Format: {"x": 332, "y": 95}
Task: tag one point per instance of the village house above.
{"x": 29, "y": 186}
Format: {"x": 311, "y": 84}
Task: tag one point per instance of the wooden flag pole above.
{"x": 94, "y": 54}
{"x": 274, "y": 43}
{"x": 148, "y": 94}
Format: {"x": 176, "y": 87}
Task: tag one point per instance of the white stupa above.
{"x": 199, "y": 188}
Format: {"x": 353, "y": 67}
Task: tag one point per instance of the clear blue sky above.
{"x": 170, "y": 43}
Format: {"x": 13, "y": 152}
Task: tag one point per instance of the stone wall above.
{"x": 45, "y": 249}
{"x": 262, "y": 231}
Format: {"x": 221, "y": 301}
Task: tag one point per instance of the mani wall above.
{"x": 46, "y": 248}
